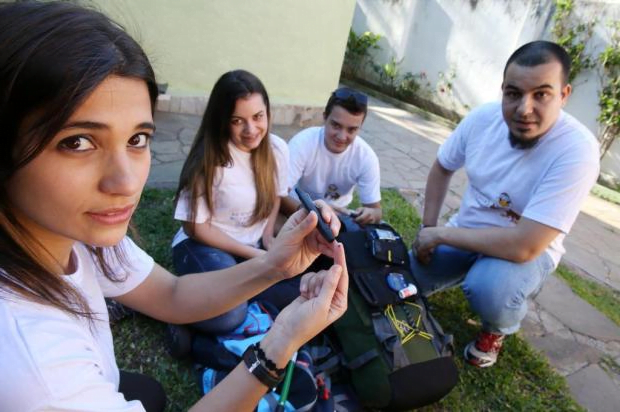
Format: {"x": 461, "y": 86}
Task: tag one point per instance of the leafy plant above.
{"x": 387, "y": 77}
{"x": 573, "y": 37}
{"x": 413, "y": 84}
{"x": 357, "y": 54}
{"x": 609, "y": 95}
{"x": 446, "y": 82}
{"x": 388, "y": 74}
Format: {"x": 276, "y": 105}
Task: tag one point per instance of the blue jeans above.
{"x": 190, "y": 256}
{"x": 497, "y": 289}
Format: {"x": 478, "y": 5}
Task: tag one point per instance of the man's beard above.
{"x": 521, "y": 143}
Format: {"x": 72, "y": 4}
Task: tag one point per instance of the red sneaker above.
{"x": 483, "y": 351}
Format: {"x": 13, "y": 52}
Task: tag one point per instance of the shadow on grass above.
{"x": 521, "y": 380}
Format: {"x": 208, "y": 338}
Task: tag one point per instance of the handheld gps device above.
{"x": 309, "y": 205}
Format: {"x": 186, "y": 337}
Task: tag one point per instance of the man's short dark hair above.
{"x": 541, "y": 52}
{"x": 349, "y": 99}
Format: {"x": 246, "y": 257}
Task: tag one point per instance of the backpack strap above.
{"x": 382, "y": 332}
{"x": 362, "y": 359}
{"x": 329, "y": 365}
{"x": 445, "y": 342}
{"x": 448, "y": 345}
{"x": 325, "y": 358}
{"x": 390, "y": 341}
{"x": 341, "y": 401}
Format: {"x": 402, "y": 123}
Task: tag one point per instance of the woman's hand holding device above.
{"x": 309, "y": 205}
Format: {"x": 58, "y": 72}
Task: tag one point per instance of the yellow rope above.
{"x": 405, "y": 331}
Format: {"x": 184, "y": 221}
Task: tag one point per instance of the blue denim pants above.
{"x": 190, "y": 256}
{"x": 497, "y": 289}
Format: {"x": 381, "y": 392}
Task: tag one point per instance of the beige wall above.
{"x": 295, "y": 47}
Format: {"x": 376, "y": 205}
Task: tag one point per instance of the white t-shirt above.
{"x": 333, "y": 176}
{"x": 50, "y": 360}
{"x": 546, "y": 183}
{"x": 234, "y": 197}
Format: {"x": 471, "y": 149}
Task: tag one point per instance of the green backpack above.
{"x": 394, "y": 352}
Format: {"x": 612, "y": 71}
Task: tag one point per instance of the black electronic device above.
{"x": 309, "y": 205}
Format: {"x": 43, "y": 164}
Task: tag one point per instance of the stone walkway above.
{"x": 580, "y": 343}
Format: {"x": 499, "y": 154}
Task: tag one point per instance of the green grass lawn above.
{"x": 606, "y": 193}
{"x": 603, "y": 298}
{"x": 521, "y": 380}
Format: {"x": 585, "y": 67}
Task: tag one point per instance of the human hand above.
{"x": 256, "y": 252}
{"x": 424, "y": 244}
{"x": 267, "y": 240}
{"x": 322, "y": 300}
{"x": 365, "y": 215}
{"x": 341, "y": 210}
{"x": 298, "y": 243}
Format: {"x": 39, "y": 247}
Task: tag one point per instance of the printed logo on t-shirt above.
{"x": 504, "y": 202}
{"x": 332, "y": 193}
{"x": 241, "y": 218}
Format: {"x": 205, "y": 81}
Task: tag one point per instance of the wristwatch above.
{"x": 256, "y": 368}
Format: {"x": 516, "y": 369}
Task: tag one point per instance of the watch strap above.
{"x": 268, "y": 362}
{"x": 256, "y": 368}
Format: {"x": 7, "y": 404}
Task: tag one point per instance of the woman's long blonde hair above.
{"x": 210, "y": 148}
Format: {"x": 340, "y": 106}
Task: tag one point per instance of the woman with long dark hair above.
{"x": 76, "y": 117}
{"x": 230, "y": 186}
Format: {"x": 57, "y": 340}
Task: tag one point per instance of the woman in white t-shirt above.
{"x": 76, "y": 116}
{"x": 230, "y": 189}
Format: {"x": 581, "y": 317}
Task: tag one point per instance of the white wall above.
{"x": 475, "y": 38}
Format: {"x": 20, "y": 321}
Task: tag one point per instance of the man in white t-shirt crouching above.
{"x": 530, "y": 165}
{"x": 328, "y": 162}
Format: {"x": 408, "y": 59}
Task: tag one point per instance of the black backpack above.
{"x": 393, "y": 351}
{"x": 310, "y": 389}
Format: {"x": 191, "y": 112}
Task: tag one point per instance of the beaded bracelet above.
{"x": 256, "y": 368}
{"x": 268, "y": 362}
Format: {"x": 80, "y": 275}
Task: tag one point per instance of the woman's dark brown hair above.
{"x": 52, "y": 56}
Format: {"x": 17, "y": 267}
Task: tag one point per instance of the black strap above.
{"x": 330, "y": 365}
{"x": 256, "y": 368}
{"x": 384, "y": 332}
{"x": 362, "y": 359}
{"x": 444, "y": 343}
{"x": 260, "y": 353}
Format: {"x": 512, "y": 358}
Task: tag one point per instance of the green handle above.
{"x": 287, "y": 382}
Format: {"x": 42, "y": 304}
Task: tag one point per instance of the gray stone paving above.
{"x": 593, "y": 245}
{"x": 580, "y": 343}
